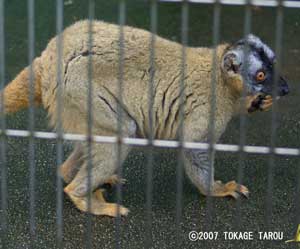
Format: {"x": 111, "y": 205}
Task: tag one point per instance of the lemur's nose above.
{"x": 283, "y": 87}
{"x": 285, "y": 90}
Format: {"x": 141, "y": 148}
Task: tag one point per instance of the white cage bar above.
{"x": 263, "y": 3}
{"x": 283, "y": 151}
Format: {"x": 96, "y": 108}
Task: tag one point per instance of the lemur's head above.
{"x": 252, "y": 61}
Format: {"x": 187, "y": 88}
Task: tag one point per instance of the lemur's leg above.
{"x": 104, "y": 162}
{"x": 197, "y": 167}
{"x": 71, "y": 166}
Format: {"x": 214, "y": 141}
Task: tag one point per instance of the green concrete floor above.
{"x": 133, "y": 227}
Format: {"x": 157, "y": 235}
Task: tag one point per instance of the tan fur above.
{"x": 71, "y": 166}
{"x": 136, "y": 78}
{"x": 16, "y": 93}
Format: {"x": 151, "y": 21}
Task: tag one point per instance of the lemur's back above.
{"x": 136, "y": 78}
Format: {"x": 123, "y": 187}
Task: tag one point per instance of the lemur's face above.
{"x": 254, "y": 62}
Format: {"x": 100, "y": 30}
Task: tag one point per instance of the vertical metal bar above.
{"x": 278, "y": 47}
{"x": 59, "y": 103}
{"x": 3, "y": 139}
{"x": 212, "y": 113}
{"x": 31, "y": 157}
{"x": 243, "y": 117}
{"x": 91, "y": 14}
{"x": 179, "y": 169}
{"x": 149, "y": 195}
{"x": 297, "y": 203}
{"x": 122, "y": 16}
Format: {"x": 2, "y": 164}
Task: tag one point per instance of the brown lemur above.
{"x": 234, "y": 71}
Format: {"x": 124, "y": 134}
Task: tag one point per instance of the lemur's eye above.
{"x": 260, "y": 76}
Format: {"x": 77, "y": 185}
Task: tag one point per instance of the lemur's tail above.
{"x": 16, "y": 93}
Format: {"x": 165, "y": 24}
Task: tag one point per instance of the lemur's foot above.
{"x": 114, "y": 179}
{"x": 229, "y": 189}
{"x": 98, "y": 205}
{"x": 113, "y": 207}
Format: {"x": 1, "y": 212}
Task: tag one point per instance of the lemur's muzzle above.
{"x": 283, "y": 87}
{"x": 263, "y": 101}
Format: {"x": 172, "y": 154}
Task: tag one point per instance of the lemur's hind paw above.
{"x": 98, "y": 205}
{"x": 111, "y": 208}
{"x": 114, "y": 179}
{"x": 229, "y": 189}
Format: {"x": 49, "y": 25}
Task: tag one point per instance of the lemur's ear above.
{"x": 261, "y": 47}
{"x": 231, "y": 62}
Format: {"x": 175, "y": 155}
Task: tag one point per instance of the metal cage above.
{"x": 242, "y": 148}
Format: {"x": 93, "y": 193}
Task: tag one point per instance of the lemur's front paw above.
{"x": 229, "y": 189}
{"x": 267, "y": 103}
{"x": 260, "y": 102}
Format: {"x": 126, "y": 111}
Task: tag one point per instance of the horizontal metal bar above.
{"x": 269, "y": 3}
{"x": 284, "y": 151}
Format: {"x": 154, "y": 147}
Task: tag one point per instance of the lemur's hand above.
{"x": 267, "y": 103}
{"x": 259, "y": 102}
{"x": 248, "y": 104}
{"x": 231, "y": 188}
